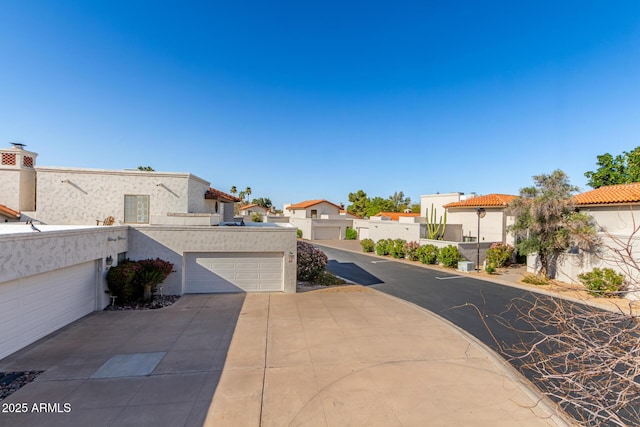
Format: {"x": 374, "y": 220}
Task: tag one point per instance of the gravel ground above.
{"x": 13, "y": 381}
{"x": 158, "y": 302}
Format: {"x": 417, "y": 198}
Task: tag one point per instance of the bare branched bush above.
{"x": 586, "y": 359}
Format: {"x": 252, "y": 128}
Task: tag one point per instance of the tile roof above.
{"x": 212, "y": 193}
{"x": 346, "y": 212}
{"x": 488, "y": 200}
{"x": 308, "y": 203}
{"x": 395, "y": 216}
{"x": 252, "y": 205}
{"x": 9, "y": 212}
{"x": 610, "y": 194}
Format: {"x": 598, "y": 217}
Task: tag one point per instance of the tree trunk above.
{"x": 147, "y": 293}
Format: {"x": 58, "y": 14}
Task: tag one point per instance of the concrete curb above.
{"x": 552, "y": 409}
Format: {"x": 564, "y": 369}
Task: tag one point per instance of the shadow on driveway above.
{"x": 353, "y": 273}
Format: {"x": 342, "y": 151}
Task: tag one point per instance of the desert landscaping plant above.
{"x": 499, "y": 254}
{"x": 603, "y": 282}
{"x": 311, "y": 261}
{"x": 427, "y": 254}
{"x": 383, "y": 246}
{"x": 435, "y": 228}
{"x": 256, "y": 217}
{"x": 137, "y": 280}
{"x": 299, "y": 233}
{"x": 351, "y": 234}
{"x": 449, "y": 256}
{"x": 396, "y": 248}
{"x": 367, "y": 245}
{"x": 410, "y": 250}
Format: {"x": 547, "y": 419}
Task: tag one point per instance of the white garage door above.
{"x": 364, "y": 233}
{"x": 326, "y": 233}
{"x": 233, "y": 272}
{"x": 35, "y": 306}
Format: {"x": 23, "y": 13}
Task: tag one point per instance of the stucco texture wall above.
{"x": 171, "y": 243}
{"x": 81, "y": 196}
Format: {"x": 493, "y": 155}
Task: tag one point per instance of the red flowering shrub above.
{"x": 311, "y": 261}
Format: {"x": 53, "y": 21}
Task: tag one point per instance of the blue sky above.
{"x": 306, "y": 99}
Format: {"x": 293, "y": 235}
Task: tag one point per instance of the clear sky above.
{"x": 315, "y": 99}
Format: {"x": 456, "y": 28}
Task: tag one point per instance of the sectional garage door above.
{"x": 34, "y": 306}
{"x": 326, "y": 233}
{"x": 233, "y": 272}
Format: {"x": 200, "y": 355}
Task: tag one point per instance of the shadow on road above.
{"x": 353, "y": 273}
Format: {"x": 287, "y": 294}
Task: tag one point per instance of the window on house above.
{"x": 314, "y": 213}
{"x": 122, "y": 256}
{"x": 136, "y": 209}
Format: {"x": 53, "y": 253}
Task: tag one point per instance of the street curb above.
{"x": 552, "y": 410}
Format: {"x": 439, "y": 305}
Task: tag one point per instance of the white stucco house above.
{"x": 616, "y": 213}
{"x": 318, "y": 219}
{"x": 53, "y": 270}
{"x": 248, "y": 211}
{"x": 492, "y": 226}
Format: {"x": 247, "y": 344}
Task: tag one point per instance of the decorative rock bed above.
{"x": 13, "y": 381}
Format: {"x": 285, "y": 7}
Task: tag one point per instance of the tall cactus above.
{"x": 435, "y": 231}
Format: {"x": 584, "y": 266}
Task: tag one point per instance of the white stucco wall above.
{"x": 438, "y": 201}
{"x": 379, "y": 229}
{"x": 492, "y": 226}
{"x": 81, "y": 196}
{"x": 171, "y": 243}
{"x": 24, "y": 252}
{"x": 322, "y": 208}
{"x": 17, "y": 181}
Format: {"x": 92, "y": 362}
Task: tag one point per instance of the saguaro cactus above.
{"x": 435, "y": 231}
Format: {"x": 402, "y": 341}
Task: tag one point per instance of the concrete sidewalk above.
{"x": 353, "y": 356}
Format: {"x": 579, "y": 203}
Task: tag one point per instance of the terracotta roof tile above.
{"x": 488, "y": 200}
{"x": 252, "y": 205}
{"x": 212, "y": 193}
{"x": 610, "y": 194}
{"x": 9, "y": 212}
{"x": 308, "y": 203}
{"x": 395, "y": 216}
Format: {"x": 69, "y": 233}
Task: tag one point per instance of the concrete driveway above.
{"x": 354, "y": 357}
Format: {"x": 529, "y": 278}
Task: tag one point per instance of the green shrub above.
{"x": 311, "y": 261}
{"x": 410, "y": 250}
{"x": 602, "y": 282}
{"x": 427, "y": 254}
{"x": 135, "y": 280}
{"x": 449, "y": 256}
{"x": 299, "y": 233}
{"x": 532, "y": 279}
{"x": 499, "y": 254}
{"x": 120, "y": 282}
{"x": 256, "y": 217}
{"x": 367, "y": 245}
{"x": 351, "y": 234}
{"x": 396, "y": 248}
{"x": 490, "y": 268}
{"x": 383, "y": 246}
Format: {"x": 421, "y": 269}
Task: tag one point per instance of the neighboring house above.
{"x": 616, "y": 212}
{"x": 248, "y": 210}
{"x": 395, "y": 216}
{"x": 492, "y": 226}
{"x": 318, "y": 219}
{"x": 54, "y": 272}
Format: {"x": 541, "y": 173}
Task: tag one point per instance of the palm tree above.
{"x": 233, "y": 190}
{"x": 247, "y": 192}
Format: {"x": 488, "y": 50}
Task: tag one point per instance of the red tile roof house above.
{"x": 61, "y": 261}
{"x": 247, "y": 211}
{"x": 318, "y": 219}
{"x": 616, "y": 212}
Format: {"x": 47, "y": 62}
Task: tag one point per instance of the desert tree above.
{"x": 546, "y": 221}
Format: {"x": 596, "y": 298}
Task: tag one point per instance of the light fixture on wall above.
{"x": 290, "y": 257}
{"x": 109, "y": 260}
{"x": 111, "y": 239}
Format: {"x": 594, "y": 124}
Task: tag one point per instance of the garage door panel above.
{"x": 35, "y": 306}
{"x": 233, "y": 272}
{"x": 326, "y": 233}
